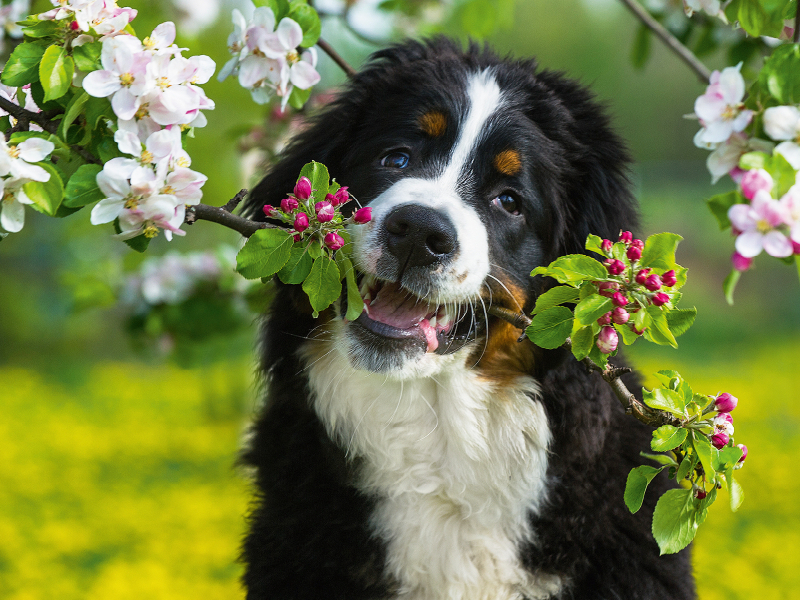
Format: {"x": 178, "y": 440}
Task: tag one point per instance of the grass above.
{"x": 118, "y": 481}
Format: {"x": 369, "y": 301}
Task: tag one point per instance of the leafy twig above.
{"x": 670, "y": 40}
{"x": 611, "y": 375}
{"x": 223, "y": 216}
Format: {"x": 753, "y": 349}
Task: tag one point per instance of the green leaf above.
{"x": 96, "y": 109}
{"x": 355, "y": 304}
{"x": 729, "y": 285}
{"x": 551, "y": 327}
{"x": 87, "y": 57}
{"x": 592, "y": 308}
{"x": 719, "y": 206}
{"x": 780, "y": 72}
{"x": 636, "y": 485}
{"x": 317, "y": 173}
{"x": 598, "y": 357}
{"x": 74, "y": 108}
{"x": 55, "y": 72}
{"x": 23, "y": 65}
{"x": 705, "y": 452}
{"x": 46, "y": 195}
{"x": 298, "y": 266}
{"x": 640, "y": 51}
{"x": 309, "y": 22}
{"x": 323, "y": 285}
{"x": 264, "y": 254}
{"x": 41, "y": 29}
{"x": 558, "y": 295}
{"x": 783, "y": 175}
{"x": 576, "y": 267}
{"x": 752, "y": 17}
{"x": 594, "y": 243}
{"x": 674, "y": 523}
{"x": 727, "y": 458}
{"x": 582, "y": 341}
{"x": 659, "y": 251}
{"x": 687, "y": 465}
{"x": 659, "y": 331}
{"x": 82, "y": 187}
{"x": 664, "y": 399}
{"x": 299, "y": 97}
{"x": 753, "y": 160}
{"x": 626, "y": 333}
{"x": 280, "y": 8}
{"x": 662, "y": 459}
{"x": 667, "y": 437}
{"x": 138, "y": 243}
{"x": 680, "y": 319}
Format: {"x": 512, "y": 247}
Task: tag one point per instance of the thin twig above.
{"x": 42, "y": 119}
{"x": 337, "y": 58}
{"x": 222, "y": 216}
{"x": 610, "y": 374}
{"x": 670, "y": 40}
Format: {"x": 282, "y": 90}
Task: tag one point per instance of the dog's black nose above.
{"x": 419, "y": 236}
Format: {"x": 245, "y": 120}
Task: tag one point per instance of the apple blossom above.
{"x": 301, "y": 222}
{"x": 725, "y": 402}
{"x": 653, "y": 282}
{"x": 123, "y": 77}
{"x": 605, "y": 319}
{"x": 669, "y": 279}
{"x": 660, "y": 299}
{"x": 720, "y": 108}
{"x": 12, "y": 204}
{"x": 626, "y": 237}
{"x": 15, "y": 159}
{"x": 289, "y": 204}
{"x": 614, "y": 266}
{"x": 302, "y": 189}
{"x": 334, "y": 241}
{"x": 607, "y": 340}
{"x": 606, "y": 246}
{"x": 641, "y": 276}
{"x": 755, "y": 180}
{"x": 325, "y": 211}
{"x": 620, "y": 316}
{"x": 619, "y": 299}
{"x": 363, "y": 215}
{"x": 724, "y": 160}
{"x": 720, "y": 439}
{"x": 634, "y": 253}
{"x": 758, "y": 223}
{"x": 342, "y": 196}
{"x": 712, "y": 7}
{"x": 741, "y": 263}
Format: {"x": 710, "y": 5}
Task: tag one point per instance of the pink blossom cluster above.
{"x": 317, "y": 220}
{"x": 101, "y": 18}
{"x": 266, "y": 58}
{"x": 155, "y": 94}
{"x": 722, "y": 423}
{"x": 630, "y": 290}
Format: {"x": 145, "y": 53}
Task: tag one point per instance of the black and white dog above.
{"x": 421, "y": 452}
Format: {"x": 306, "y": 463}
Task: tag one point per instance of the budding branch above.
{"x": 610, "y": 374}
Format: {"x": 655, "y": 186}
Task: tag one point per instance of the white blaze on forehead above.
{"x": 485, "y": 99}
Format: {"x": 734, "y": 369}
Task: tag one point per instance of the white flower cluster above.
{"x": 155, "y": 95}
{"x": 16, "y": 169}
{"x": 9, "y": 15}
{"x": 101, "y": 17}
{"x": 266, "y": 58}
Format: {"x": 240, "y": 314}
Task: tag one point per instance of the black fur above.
{"x": 309, "y": 536}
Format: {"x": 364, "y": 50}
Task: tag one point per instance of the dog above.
{"x": 422, "y": 452}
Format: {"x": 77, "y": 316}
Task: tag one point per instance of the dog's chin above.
{"x": 403, "y": 335}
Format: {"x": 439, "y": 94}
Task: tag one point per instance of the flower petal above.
{"x": 35, "y": 149}
{"x": 777, "y": 244}
{"x": 106, "y": 210}
{"x": 125, "y": 104}
{"x": 303, "y": 75}
{"x": 782, "y": 122}
{"x": 12, "y": 216}
{"x": 289, "y": 33}
{"x": 101, "y": 84}
{"x": 749, "y": 244}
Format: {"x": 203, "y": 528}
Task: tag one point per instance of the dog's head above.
{"x": 477, "y": 169}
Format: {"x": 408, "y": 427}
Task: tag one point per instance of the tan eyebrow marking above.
{"x": 433, "y": 123}
{"x": 508, "y": 162}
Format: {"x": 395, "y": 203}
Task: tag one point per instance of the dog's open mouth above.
{"x": 393, "y": 312}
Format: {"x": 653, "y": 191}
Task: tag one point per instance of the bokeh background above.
{"x": 117, "y": 458}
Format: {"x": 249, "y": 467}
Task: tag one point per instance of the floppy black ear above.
{"x": 597, "y": 197}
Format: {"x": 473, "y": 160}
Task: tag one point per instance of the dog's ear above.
{"x": 597, "y": 194}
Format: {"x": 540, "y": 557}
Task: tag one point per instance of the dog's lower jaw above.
{"x": 457, "y": 464}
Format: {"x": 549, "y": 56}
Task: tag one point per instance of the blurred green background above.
{"x": 118, "y": 476}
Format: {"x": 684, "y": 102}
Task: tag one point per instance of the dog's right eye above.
{"x": 395, "y": 160}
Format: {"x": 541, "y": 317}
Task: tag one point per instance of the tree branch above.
{"x": 670, "y": 40}
{"x": 223, "y": 216}
{"x": 22, "y": 115}
{"x": 337, "y": 58}
{"x": 611, "y": 375}
{"x": 796, "y": 34}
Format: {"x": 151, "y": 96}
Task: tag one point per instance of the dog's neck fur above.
{"x": 456, "y": 463}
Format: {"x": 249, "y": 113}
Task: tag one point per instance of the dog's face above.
{"x": 477, "y": 170}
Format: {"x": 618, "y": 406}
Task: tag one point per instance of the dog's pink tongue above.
{"x": 396, "y": 307}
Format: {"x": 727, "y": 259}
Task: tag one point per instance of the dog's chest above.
{"x": 456, "y": 465}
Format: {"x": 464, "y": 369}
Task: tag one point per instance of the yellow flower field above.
{"x": 118, "y": 482}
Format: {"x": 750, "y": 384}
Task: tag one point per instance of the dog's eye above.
{"x": 507, "y": 203}
{"x": 395, "y": 160}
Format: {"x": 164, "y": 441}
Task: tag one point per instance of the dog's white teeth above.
{"x": 433, "y": 321}
{"x": 366, "y": 295}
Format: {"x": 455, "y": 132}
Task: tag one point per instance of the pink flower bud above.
{"x": 605, "y": 319}
{"x": 342, "y": 196}
{"x": 634, "y": 253}
{"x": 641, "y": 276}
{"x": 297, "y": 237}
{"x": 363, "y": 215}
{"x": 724, "y": 418}
{"x": 637, "y": 331}
{"x": 268, "y": 209}
{"x": 334, "y": 241}
{"x": 720, "y": 439}
{"x": 743, "y": 448}
{"x": 302, "y": 190}
{"x": 669, "y": 279}
{"x": 607, "y": 288}
{"x": 289, "y": 204}
{"x": 301, "y": 222}
{"x": 607, "y": 340}
{"x": 606, "y": 246}
{"x": 725, "y": 402}
{"x": 637, "y": 244}
{"x": 660, "y": 299}
{"x": 626, "y": 237}
{"x": 620, "y": 316}
{"x": 614, "y": 266}
{"x": 74, "y": 26}
{"x": 325, "y": 211}
{"x": 755, "y": 180}
{"x": 330, "y": 198}
{"x": 653, "y": 282}
{"x": 700, "y": 494}
{"x": 741, "y": 263}
{"x": 619, "y": 299}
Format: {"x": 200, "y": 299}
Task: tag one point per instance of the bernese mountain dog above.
{"x": 421, "y": 452}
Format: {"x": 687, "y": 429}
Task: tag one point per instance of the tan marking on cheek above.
{"x": 508, "y": 162}
{"x": 433, "y": 124}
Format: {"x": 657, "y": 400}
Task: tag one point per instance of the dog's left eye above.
{"x": 395, "y": 160}
{"x": 507, "y": 203}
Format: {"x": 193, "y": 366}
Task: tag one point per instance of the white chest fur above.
{"x": 456, "y": 462}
